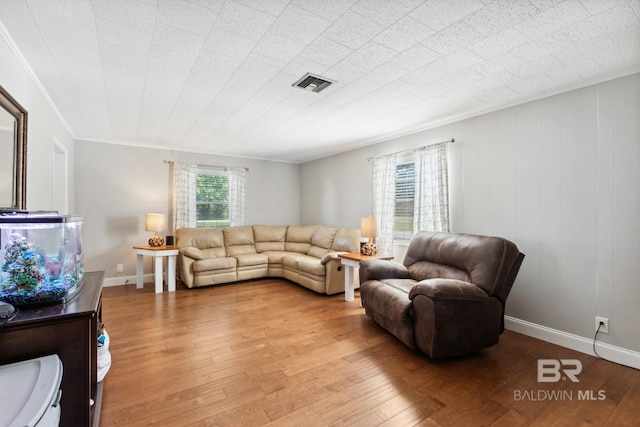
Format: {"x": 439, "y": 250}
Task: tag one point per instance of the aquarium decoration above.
{"x": 31, "y": 275}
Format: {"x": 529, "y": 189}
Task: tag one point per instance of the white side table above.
{"x": 351, "y": 261}
{"x": 157, "y": 252}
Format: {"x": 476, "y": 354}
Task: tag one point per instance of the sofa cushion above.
{"x": 269, "y": 238}
{"x": 252, "y": 259}
{"x": 201, "y": 238}
{"x": 423, "y": 270}
{"x": 239, "y": 240}
{"x": 212, "y": 253}
{"x": 299, "y": 238}
{"x": 312, "y": 266}
{"x": 346, "y": 240}
{"x": 404, "y": 285}
{"x": 275, "y": 257}
{"x": 304, "y": 263}
{"x": 321, "y": 241}
{"x": 210, "y": 264}
{"x": 448, "y": 290}
{"x": 291, "y": 259}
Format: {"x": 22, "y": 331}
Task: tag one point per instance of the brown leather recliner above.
{"x": 448, "y": 296}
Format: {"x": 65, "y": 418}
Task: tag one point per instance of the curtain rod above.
{"x": 171, "y": 162}
{"x": 448, "y": 141}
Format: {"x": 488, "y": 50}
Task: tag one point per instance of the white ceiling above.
{"x": 215, "y": 76}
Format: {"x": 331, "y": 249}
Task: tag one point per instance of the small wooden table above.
{"x": 157, "y": 252}
{"x": 351, "y": 261}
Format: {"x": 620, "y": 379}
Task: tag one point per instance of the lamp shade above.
{"x": 368, "y": 226}
{"x": 155, "y": 222}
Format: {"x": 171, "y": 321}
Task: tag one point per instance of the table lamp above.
{"x": 368, "y": 229}
{"x": 155, "y": 222}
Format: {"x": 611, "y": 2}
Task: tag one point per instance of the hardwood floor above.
{"x": 269, "y": 352}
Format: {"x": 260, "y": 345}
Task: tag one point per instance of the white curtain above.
{"x": 431, "y": 200}
{"x": 184, "y": 195}
{"x": 237, "y": 196}
{"x": 384, "y": 200}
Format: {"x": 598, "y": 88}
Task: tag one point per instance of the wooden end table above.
{"x": 157, "y": 252}
{"x": 351, "y": 261}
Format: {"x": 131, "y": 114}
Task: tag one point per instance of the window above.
{"x": 410, "y": 193}
{"x": 404, "y": 201}
{"x": 421, "y": 192}
{"x": 212, "y": 199}
{"x": 209, "y": 196}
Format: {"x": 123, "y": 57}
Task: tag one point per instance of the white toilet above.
{"x": 30, "y": 392}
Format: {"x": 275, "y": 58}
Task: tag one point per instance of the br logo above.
{"x": 553, "y": 370}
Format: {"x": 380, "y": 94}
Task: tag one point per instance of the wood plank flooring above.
{"x": 269, "y": 352}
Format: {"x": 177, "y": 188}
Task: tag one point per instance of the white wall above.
{"x": 336, "y": 190}
{"x": 559, "y": 176}
{"x": 43, "y": 126}
{"x": 117, "y": 185}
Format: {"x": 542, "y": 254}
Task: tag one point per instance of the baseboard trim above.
{"x": 126, "y": 280}
{"x": 575, "y": 342}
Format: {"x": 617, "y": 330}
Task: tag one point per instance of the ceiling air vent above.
{"x": 313, "y": 83}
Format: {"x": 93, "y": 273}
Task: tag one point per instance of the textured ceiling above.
{"x": 215, "y": 76}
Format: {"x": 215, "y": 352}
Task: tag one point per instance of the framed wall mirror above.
{"x": 13, "y": 154}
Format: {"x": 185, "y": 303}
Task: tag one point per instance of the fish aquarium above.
{"x": 41, "y": 257}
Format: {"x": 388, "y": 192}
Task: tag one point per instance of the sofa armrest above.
{"x": 448, "y": 290}
{"x": 330, "y": 257}
{"x": 192, "y": 252}
{"x": 379, "y": 269}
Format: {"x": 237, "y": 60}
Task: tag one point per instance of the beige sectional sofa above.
{"x": 306, "y": 255}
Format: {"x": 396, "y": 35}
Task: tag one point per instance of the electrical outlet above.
{"x": 120, "y": 268}
{"x": 605, "y": 324}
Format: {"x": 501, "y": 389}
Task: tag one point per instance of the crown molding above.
{"x": 34, "y": 78}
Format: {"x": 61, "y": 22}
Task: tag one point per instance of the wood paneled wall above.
{"x": 560, "y": 176}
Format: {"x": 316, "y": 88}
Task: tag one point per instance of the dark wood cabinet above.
{"x": 69, "y": 330}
